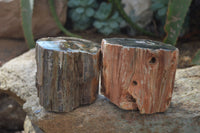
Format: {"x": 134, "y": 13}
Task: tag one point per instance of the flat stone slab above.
{"x": 18, "y": 77}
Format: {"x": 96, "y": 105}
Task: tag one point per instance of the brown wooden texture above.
{"x": 67, "y": 73}
{"x": 138, "y": 74}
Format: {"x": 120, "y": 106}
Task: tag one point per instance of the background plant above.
{"x": 196, "y": 59}
{"x": 107, "y": 21}
{"x": 26, "y": 13}
{"x": 58, "y": 23}
{"x": 81, "y": 12}
{"x": 120, "y": 9}
{"x": 107, "y": 16}
{"x": 87, "y": 13}
{"x": 159, "y": 8}
{"x": 83, "y": 15}
{"x": 177, "y": 10}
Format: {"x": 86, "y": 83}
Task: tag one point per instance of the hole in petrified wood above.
{"x": 130, "y": 98}
{"x": 153, "y": 60}
{"x": 134, "y": 82}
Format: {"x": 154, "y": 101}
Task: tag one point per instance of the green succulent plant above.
{"x": 106, "y": 21}
{"x": 26, "y": 8}
{"x": 26, "y": 12}
{"x": 175, "y": 19}
{"x": 81, "y": 13}
{"x": 159, "y": 8}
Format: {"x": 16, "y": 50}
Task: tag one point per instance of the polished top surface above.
{"x": 68, "y": 44}
{"x": 140, "y": 43}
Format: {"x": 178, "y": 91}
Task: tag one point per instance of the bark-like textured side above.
{"x": 66, "y": 78}
{"x": 138, "y": 76}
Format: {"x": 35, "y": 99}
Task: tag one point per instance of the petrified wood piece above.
{"x": 138, "y": 73}
{"x": 67, "y": 73}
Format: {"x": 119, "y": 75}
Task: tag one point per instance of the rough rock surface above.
{"x": 42, "y": 24}
{"x": 30, "y": 127}
{"x": 139, "y": 11}
{"x": 17, "y": 78}
{"x": 182, "y": 116}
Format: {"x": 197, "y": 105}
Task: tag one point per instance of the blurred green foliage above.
{"x": 119, "y": 7}
{"x": 26, "y": 8}
{"x": 106, "y": 16}
{"x": 107, "y": 22}
{"x": 87, "y": 13}
{"x": 26, "y": 13}
{"x": 177, "y": 11}
{"x": 159, "y": 8}
{"x": 58, "y": 23}
{"x": 81, "y": 13}
{"x": 196, "y": 59}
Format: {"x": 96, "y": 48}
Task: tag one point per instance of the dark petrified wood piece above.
{"x": 138, "y": 73}
{"x": 67, "y": 73}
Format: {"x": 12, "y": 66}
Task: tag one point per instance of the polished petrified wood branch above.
{"x": 138, "y": 73}
{"x": 67, "y": 72}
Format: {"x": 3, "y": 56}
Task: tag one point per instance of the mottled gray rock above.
{"x": 139, "y": 11}
{"x": 183, "y": 115}
{"x": 18, "y": 75}
{"x": 30, "y": 127}
{"x": 43, "y": 23}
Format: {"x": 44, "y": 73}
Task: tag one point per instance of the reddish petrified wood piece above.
{"x": 138, "y": 73}
{"x": 67, "y": 73}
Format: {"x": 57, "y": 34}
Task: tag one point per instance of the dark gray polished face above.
{"x": 68, "y": 44}
{"x": 140, "y": 43}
